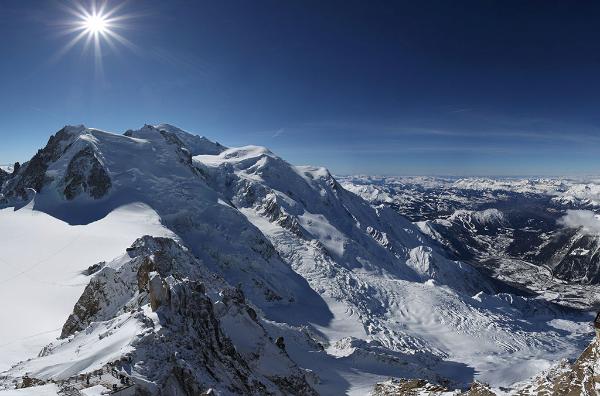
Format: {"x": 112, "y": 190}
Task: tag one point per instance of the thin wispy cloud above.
{"x": 462, "y": 110}
{"x": 403, "y": 148}
{"x": 176, "y": 59}
{"x": 479, "y": 126}
{"x": 46, "y": 113}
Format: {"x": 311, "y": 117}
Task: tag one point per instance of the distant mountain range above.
{"x": 538, "y": 235}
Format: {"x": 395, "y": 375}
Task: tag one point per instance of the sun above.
{"x": 96, "y": 24}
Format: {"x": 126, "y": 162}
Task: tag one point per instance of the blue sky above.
{"x": 384, "y": 87}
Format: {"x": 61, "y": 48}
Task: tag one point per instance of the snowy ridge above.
{"x": 43, "y": 263}
{"x": 142, "y": 306}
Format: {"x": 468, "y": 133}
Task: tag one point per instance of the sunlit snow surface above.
{"x": 500, "y": 339}
{"x": 44, "y": 390}
{"x": 41, "y": 264}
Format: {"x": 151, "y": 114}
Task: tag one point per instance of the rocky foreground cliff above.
{"x": 581, "y": 377}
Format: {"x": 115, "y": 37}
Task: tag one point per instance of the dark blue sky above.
{"x": 432, "y": 87}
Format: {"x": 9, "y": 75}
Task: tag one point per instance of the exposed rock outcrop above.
{"x": 158, "y": 291}
{"x": 204, "y": 335}
{"x": 33, "y": 173}
{"x": 85, "y": 174}
{"x": 582, "y": 377}
{"x": 406, "y": 387}
{"x": 3, "y": 176}
{"x": 112, "y": 288}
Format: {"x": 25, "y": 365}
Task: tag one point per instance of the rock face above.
{"x": 574, "y": 256}
{"x": 111, "y": 287}
{"x": 86, "y": 308}
{"x": 158, "y": 291}
{"x": 402, "y": 386}
{"x": 182, "y": 151}
{"x": 33, "y": 173}
{"x": 85, "y": 174}
{"x": 395, "y": 387}
{"x": 185, "y": 348}
{"x": 3, "y": 176}
{"x": 580, "y": 378}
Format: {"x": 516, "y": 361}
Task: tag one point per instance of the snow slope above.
{"x": 384, "y": 278}
{"x": 41, "y": 269}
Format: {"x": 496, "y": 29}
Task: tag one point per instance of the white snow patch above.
{"x": 88, "y": 350}
{"x": 97, "y": 390}
{"x": 320, "y": 228}
{"x": 41, "y": 261}
{"x": 44, "y": 390}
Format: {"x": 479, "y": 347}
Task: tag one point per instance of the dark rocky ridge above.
{"x": 85, "y": 174}
{"x": 33, "y": 173}
{"x": 190, "y": 351}
{"x": 4, "y": 175}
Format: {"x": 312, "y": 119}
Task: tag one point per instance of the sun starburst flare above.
{"x": 95, "y": 26}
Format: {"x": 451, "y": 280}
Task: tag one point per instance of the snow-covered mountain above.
{"x": 230, "y": 269}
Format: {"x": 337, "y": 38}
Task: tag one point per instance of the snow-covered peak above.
{"x": 308, "y": 201}
{"x": 484, "y": 217}
{"x": 73, "y": 129}
{"x": 195, "y": 144}
{"x": 237, "y": 156}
